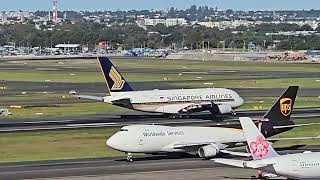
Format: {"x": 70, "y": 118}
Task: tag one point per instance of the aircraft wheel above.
{"x": 173, "y": 116}
{"x": 129, "y": 157}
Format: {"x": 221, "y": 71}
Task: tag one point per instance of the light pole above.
{"x": 182, "y": 43}
{"x": 223, "y": 45}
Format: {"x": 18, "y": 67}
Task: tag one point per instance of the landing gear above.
{"x": 175, "y": 116}
{"x": 188, "y": 116}
{"x": 129, "y": 157}
{"x": 260, "y": 175}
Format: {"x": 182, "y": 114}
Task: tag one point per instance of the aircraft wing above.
{"x": 240, "y": 163}
{"x": 295, "y": 125}
{"x": 89, "y": 97}
{"x": 124, "y": 101}
{"x": 242, "y": 154}
{"x": 230, "y": 162}
{"x": 174, "y": 108}
{"x": 194, "y": 144}
{"x": 289, "y": 139}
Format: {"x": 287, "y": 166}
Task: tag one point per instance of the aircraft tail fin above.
{"x": 113, "y": 78}
{"x": 282, "y": 108}
{"x": 259, "y": 147}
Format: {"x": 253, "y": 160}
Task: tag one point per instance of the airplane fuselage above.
{"x": 155, "y": 139}
{"x": 297, "y": 166}
{"x": 172, "y": 101}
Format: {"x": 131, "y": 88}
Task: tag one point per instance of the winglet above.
{"x": 259, "y": 147}
{"x": 113, "y": 78}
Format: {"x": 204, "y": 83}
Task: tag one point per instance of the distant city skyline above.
{"x": 101, "y": 5}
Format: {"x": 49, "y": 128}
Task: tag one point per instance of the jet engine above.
{"x": 208, "y": 151}
{"x": 225, "y": 109}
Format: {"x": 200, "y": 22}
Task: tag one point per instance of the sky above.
{"x": 94, "y": 5}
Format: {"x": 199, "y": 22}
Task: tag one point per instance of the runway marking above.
{"x": 176, "y": 122}
{"x": 95, "y": 161}
{"x": 174, "y": 170}
{"x": 92, "y": 124}
{"x": 195, "y": 72}
{"x": 306, "y": 116}
{"x": 48, "y": 128}
{"x": 224, "y": 71}
{"x": 47, "y": 69}
{"x": 95, "y": 167}
{"x": 53, "y": 164}
{"x": 143, "y": 172}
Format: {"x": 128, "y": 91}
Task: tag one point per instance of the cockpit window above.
{"x": 123, "y": 130}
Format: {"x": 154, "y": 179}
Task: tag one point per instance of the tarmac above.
{"x": 143, "y": 167}
{"x": 134, "y": 118}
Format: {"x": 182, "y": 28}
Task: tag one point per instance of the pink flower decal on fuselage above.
{"x": 260, "y": 147}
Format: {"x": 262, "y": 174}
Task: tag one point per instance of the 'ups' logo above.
{"x": 285, "y": 106}
{"x": 118, "y": 82}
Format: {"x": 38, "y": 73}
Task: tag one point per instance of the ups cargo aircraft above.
{"x": 205, "y": 141}
{"x": 174, "y": 103}
{"x": 295, "y": 166}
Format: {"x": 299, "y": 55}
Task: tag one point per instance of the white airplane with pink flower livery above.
{"x": 295, "y": 166}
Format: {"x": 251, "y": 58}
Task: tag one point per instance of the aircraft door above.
{"x": 140, "y": 142}
{"x": 294, "y": 165}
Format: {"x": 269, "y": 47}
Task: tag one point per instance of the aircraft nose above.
{"x": 111, "y": 142}
{"x": 241, "y": 101}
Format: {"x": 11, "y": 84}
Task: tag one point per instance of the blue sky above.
{"x": 93, "y": 5}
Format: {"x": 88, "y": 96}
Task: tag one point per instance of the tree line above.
{"x": 129, "y": 35}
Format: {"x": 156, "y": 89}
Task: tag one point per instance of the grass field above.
{"x": 35, "y": 96}
{"x": 217, "y": 65}
{"x": 55, "y": 145}
{"x": 50, "y": 76}
{"x": 267, "y": 102}
{"x": 33, "y": 146}
{"x": 263, "y": 83}
{"x": 62, "y": 110}
{"x": 180, "y": 64}
{"x": 307, "y": 131}
{"x": 85, "y": 77}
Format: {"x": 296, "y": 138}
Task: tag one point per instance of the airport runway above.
{"x": 133, "y": 118}
{"x": 143, "y": 167}
{"x": 117, "y": 167}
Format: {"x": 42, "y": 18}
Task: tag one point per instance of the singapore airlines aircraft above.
{"x": 174, "y": 103}
{"x": 204, "y": 141}
{"x": 265, "y": 158}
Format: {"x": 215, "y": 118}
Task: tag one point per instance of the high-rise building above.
{"x": 65, "y": 15}
{"x": 4, "y": 17}
{"x": 49, "y": 15}
{"x": 55, "y": 11}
